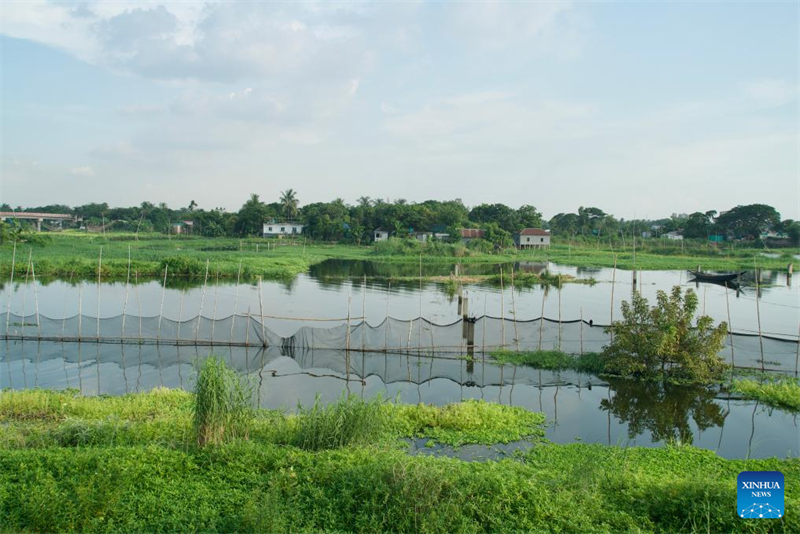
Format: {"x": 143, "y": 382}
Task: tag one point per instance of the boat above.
{"x": 716, "y": 277}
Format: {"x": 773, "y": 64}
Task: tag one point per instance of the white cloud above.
{"x": 85, "y": 171}
{"x": 771, "y": 92}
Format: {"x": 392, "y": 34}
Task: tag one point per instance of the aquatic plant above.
{"x": 349, "y": 421}
{"x": 588, "y": 362}
{"x": 780, "y": 392}
{"x": 222, "y": 403}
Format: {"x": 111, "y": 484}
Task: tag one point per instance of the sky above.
{"x": 641, "y": 108}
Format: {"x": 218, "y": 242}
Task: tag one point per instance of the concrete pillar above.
{"x": 38, "y": 225}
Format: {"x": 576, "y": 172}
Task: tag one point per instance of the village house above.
{"x": 532, "y": 238}
{"x": 380, "y": 234}
{"x": 470, "y": 234}
{"x": 674, "y": 236}
{"x": 280, "y": 229}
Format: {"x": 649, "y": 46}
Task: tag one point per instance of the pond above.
{"x": 578, "y": 407}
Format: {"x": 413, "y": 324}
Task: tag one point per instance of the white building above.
{"x": 674, "y": 236}
{"x": 272, "y": 229}
{"x": 532, "y": 238}
{"x": 380, "y": 234}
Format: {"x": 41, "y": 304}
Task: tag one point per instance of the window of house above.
{"x": 542, "y": 240}
{"x": 270, "y": 228}
{"x": 283, "y": 229}
{"x": 294, "y": 229}
{"x": 528, "y": 239}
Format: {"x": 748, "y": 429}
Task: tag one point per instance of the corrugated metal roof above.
{"x": 475, "y": 233}
{"x": 534, "y": 231}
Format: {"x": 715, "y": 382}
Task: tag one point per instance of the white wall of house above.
{"x": 534, "y": 241}
{"x": 674, "y": 236}
{"x": 282, "y": 228}
{"x": 380, "y": 235}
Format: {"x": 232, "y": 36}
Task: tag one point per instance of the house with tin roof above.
{"x": 532, "y": 238}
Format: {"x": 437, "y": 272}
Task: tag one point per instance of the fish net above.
{"x": 480, "y": 335}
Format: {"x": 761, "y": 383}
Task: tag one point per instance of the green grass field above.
{"x": 75, "y": 255}
{"x": 129, "y": 464}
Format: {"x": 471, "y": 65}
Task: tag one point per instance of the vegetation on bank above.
{"x": 553, "y": 360}
{"x": 780, "y": 392}
{"x": 74, "y": 464}
{"x": 76, "y": 256}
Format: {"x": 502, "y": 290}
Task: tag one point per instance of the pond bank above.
{"x": 144, "y": 476}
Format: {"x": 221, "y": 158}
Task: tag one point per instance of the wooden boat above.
{"x": 716, "y": 277}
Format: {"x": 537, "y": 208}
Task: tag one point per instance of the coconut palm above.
{"x": 289, "y": 202}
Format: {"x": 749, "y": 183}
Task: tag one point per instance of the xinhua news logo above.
{"x": 759, "y": 495}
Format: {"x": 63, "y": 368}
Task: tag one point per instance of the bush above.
{"x": 661, "y": 342}
{"x": 782, "y": 392}
{"x": 223, "y": 403}
{"x": 350, "y": 421}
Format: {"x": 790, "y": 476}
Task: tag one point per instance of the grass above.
{"x": 780, "y": 392}
{"x": 556, "y": 360}
{"x": 222, "y": 403}
{"x": 350, "y": 421}
{"x": 72, "y": 255}
{"x": 140, "y": 482}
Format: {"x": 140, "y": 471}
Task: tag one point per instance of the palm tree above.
{"x": 290, "y": 202}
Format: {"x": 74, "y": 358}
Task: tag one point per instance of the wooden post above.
{"x": 613, "y": 285}
{"x": 202, "y": 301}
{"x": 514, "y": 309}
{"x": 797, "y": 354}
{"x": 261, "y": 309}
{"x": 758, "y": 314}
{"x": 347, "y": 334}
{"x": 161, "y": 309}
{"x": 581, "y": 330}
{"x": 386, "y": 324}
{"x": 11, "y": 287}
{"x": 502, "y": 313}
{"x": 235, "y": 298}
{"x": 99, "y": 271}
{"x": 483, "y": 320}
{"x": 247, "y": 330}
{"x": 127, "y": 286}
{"x": 730, "y": 328}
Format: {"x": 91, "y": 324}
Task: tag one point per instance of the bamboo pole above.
{"x": 127, "y": 286}
{"x": 363, "y": 313}
{"x": 419, "y": 320}
{"x": 64, "y": 318}
{"x": 235, "y": 298}
{"x": 99, "y": 272}
{"x": 214, "y": 316}
{"x": 797, "y": 354}
{"x": 730, "y": 328}
{"x": 347, "y": 334}
{"x": 11, "y": 287}
{"x": 202, "y": 301}
{"x": 138, "y": 301}
{"x": 758, "y": 314}
{"x": 180, "y": 319}
{"x": 483, "y": 321}
{"x": 559, "y": 312}
{"x": 161, "y": 309}
{"x": 514, "y": 309}
{"x": 261, "y": 308}
{"x": 502, "y": 313}
{"x": 25, "y": 290}
{"x": 247, "y": 330}
{"x": 613, "y": 285}
{"x": 80, "y": 308}
{"x": 386, "y": 324}
{"x": 36, "y": 301}
{"x": 541, "y": 317}
{"x": 581, "y": 330}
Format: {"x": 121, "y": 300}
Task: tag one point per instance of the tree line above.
{"x": 339, "y": 221}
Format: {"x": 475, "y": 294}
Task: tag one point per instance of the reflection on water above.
{"x": 576, "y": 406}
{"x": 664, "y": 410}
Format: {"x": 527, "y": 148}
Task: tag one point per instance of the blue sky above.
{"x": 643, "y": 108}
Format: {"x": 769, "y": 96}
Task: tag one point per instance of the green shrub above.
{"x": 350, "y": 421}
{"x": 556, "y": 360}
{"x": 661, "y": 341}
{"x": 223, "y": 403}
